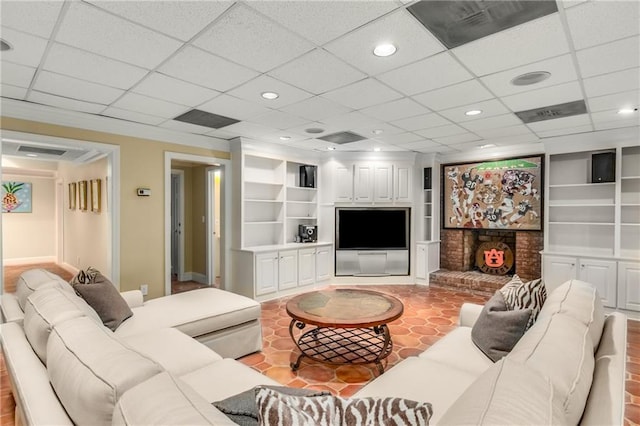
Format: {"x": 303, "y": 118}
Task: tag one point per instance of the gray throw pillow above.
{"x": 497, "y": 330}
{"x": 105, "y": 299}
{"x": 243, "y": 410}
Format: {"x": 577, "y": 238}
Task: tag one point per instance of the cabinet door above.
{"x": 266, "y": 273}
{"x": 402, "y": 185}
{"x": 306, "y": 266}
{"x": 421, "y": 261}
{"x": 288, "y": 269}
{"x": 602, "y": 274}
{"x": 343, "y": 184}
{"x": 629, "y": 286}
{"x": 383, "y": 182}
{"x": 557, "y": 270}
{"x": 362, "y": 183}
{"x": 323, "y": 263}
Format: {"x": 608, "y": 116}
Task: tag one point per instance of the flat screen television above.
{"x": 372, "y": 228}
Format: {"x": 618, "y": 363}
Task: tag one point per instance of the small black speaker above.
{"x": 603, "y": 167}
{"x": 308, "y": 176}
{"x": 427, "y": 178}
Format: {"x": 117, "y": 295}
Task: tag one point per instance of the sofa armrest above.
{"x": 133, "y": 298}
{"x": 10, "y": 308}
{"x": 469, "y": 313}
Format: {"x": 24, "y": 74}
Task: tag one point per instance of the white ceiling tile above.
{"x": 68, "y": 87}
{"x": 16, "y": 75}
{"x": 87, "y": 66}
{"x": 500, "y": 132}
{"x": 362, "y": 94}
{"x": 317, "y": 72}
{"x": 252, "y": 91}
{"x": 322, "y": 21}
{"x": 412, "y": 40}
{"x": 420, "y": 145}
{"x": 438, "y": 132}
{"x": 137, "y": 117}
{"x": 245, "y": 128}
{"x": 65, "y": 103}
{"x": 377, "y": 129}
{"x": 248, "y": 38}
{"x": 185, "y": 127}
{"x": 614, "y": 56}
{"x": 13, "y": 92}
{"x": 431, "y": 73}
{"x": 492, "y": 122}
{"x": 232, "y": 107}
{"x": 560, "y": 123}
{"x": 570, "y": 3}
{"x": 93, "y": 29}
{"x": 293, "y": 137}
{"x": 621, "y": 81}
{"x": 400, "y": 139}
{"x": 180, "y": 19}
{"x": 565, "y": 131}
{"x": 350, "y": 120}
{"x": 442, "y": 149}
{"x": 612, "y": 19}
{"x": 615, "y": 101}
{"x": 420, "y": 122}
{"x": 318, "y": 145}
{"x": 316, "y": 108}
{"x": 456, "y": 139}
{"x": 326, "y": 129}
{"x": 489, "y": 109}
{"x": 151, "y": 106}
{"x": 530, "y": 42}
{"x": 224, "y": 134}
{"x": 555, "y": 95}
{"x": 170, "y": 89}
{"x": 513, "y": 140}
{"x": 616, "y": 124}
{"x": 395, "y": 110}
{"x": 279, "y": 120}
{"x": 198, "y": 67}
{"x": 455, "y": 95}
{"x": 612, "y": 115}
{"x": 363, "y": 145}
{"x": 27, "y": 49}
{"x": 35, "y": 17}
{"x": 561, "y": 69}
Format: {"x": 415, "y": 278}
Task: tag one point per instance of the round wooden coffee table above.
{"x": 351, "y": 326}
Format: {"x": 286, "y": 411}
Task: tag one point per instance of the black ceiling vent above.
{"x": 207, "y": 119}
{"x": 554, "y": 111}
{"x": 459, "y": 22}
{"x": 342, "y": 137}
{"x": 39, "y": 150}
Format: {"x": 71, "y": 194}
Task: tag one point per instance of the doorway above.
{"x": 177, "y": 214}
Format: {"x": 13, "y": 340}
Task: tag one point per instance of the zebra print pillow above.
{"x": 529, "y": 295}
{"x": 278, "y": 409}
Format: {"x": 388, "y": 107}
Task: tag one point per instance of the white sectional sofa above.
{"x": 569, "y": 368}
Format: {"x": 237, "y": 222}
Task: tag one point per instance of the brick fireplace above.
{"x": 458, "y": 251}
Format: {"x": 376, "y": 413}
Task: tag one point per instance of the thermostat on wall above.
{"x": 144, "y": 192}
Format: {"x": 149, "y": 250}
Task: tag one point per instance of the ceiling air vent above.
{"x": 554, "y": 111}
{"x": 207, "y": 119}
{"x": 342, "y": 137}
{"x": 458, "y": 22}
{"x": 39, "y": 150}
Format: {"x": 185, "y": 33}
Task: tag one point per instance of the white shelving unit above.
{"x": 428, "y": 214}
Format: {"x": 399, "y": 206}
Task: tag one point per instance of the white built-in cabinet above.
{"x": 373, "y": 182}
{"x": 343, "y": 184}
{"x": 592, "y": 230}
{"x": 427, "y": 260}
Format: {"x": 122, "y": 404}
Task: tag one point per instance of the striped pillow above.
{"x": 277, "y": 409}
{"x": 529, "y": 295}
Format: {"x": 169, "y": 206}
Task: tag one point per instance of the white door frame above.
{"x": 211, "y": 220}
{"x": 225, "y": 243}
{"x": 180, "y": 210}
{"x": 112, "y": 152}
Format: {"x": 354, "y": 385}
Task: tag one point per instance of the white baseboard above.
{"x": 193, "y": 276}
{"x": 69, "y": 268}
{"x": 28, "y": 260}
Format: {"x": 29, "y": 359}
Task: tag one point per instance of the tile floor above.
{"x": 429, "y": 314}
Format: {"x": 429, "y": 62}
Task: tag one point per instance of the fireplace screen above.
{"x": 503, "y": 194}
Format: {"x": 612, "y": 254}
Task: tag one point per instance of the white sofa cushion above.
{"x": 165, "y": 400}
{"x": 457, "y": 350}
{"x": 47, "y": 307}
{"x": 508, "y": 393}
{"x": 33, "y": 279}
{"x": 90, "y": 369}
{"x": 195, "y": 312}
{"x": 172, "y": 349}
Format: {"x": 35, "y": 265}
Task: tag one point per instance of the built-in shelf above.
{"x": 583, "y": 223}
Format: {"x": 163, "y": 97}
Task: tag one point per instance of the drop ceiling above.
{"x": 149, "y": 62}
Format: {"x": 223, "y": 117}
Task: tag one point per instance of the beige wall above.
{"x": 31, "y": 235}
{"x": 141, "y": 218}
{"x": 86, "y": 233}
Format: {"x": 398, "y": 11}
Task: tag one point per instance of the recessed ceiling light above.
{"x": 4, "y": 46}
{"x": 473, "y": 112}
{"x": 376, "y": 149}
{"x": 314, "y": 130}
{"x": 488, "y": 145}
{"x": 331, "y": 148}
{"x": 32, "y": 155}
{"x": 285, "y": 138}
{"x": 378, "y": 131}
{"x": 270, "y": 95}
{"x": 530, "y": 78}
{"x": 384, "y": 49}
{"x": 627, "y": 110}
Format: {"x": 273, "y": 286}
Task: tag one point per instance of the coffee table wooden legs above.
{"x": 342, "y": 345}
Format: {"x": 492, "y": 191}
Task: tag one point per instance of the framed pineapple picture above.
{"x": 95, "y": 195}
{"x": 82, "y": 195}
{"x": 16, "y": 197}
{"x": 72, "y": 196}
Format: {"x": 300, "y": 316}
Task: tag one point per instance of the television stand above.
{"x": 372, "y": 263}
